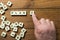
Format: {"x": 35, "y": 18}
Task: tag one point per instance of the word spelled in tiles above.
{"x": 18, "y": 13}
{"x": 23, "y": 13}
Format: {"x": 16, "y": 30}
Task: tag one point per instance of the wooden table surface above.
{"x": 43, "y": 9}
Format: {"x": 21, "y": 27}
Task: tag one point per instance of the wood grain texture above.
{"x": 34, "y": 3}
{"x": 43, "y": 9}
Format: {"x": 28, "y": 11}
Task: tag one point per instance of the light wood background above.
{"x": 43, "y": 9}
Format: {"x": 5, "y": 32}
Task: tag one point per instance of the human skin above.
{"x": 44, "y": 29}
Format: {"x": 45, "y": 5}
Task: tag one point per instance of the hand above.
{"x": 44, "y": 29}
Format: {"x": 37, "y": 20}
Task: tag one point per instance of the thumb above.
{"x": 35, "y": 20}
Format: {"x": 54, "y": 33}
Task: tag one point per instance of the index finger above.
{"x": 34, "y": 18}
